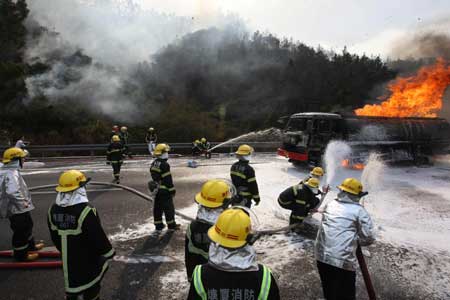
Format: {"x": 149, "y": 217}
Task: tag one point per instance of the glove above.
{"x": 152, "y": 186}
{"x": 257, "y": 202}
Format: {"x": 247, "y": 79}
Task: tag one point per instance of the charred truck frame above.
{"x": 306, "y": 136}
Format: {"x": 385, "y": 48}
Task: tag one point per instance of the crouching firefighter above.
{"x": 232, "y": 271}
{"x": 300, "y": 199}
{"x": 243, "y": 177}
{"x": 115, "y": 155}
{"x": 162, "y": 184}
{"x": 76, "y": 231}
{"x": 16, "y": 205}
{"x": 212, "y": 200}
{"x": 345, "y": 225}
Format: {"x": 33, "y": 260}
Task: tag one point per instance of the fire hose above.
{"x": 257, "y": 234}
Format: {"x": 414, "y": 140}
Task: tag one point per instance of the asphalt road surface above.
{"x": 151, "y": 266}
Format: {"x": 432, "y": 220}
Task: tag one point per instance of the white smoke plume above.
{"x": 110, "y": 37}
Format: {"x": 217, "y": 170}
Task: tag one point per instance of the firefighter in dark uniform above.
{"x": 232, "y": 271}
{"x": 76, "y": 231}
{"x": 213, "y": 199}
{"x": 16, "y": 205}
{"x": 114, "y": 131}
{"x": 115, "y": 155}
{"x": 163, "y": 184}
{"x": 204, "y": 147}
{"x": 196, "y": 150}
{"x": 243, "y": 177}
{"x": 300, "y": 199}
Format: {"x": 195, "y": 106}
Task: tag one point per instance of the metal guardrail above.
{"x": 136, "y": 148}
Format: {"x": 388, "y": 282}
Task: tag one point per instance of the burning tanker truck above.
{"x": 306, "y": 136}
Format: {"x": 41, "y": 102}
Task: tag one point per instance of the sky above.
{"x": 364, "y": 26}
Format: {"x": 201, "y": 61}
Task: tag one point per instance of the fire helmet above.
{"x": 213, "y": 194}
{"x": 123, "y": 128}
{"x": 317, "y": 171}
{"x": 352, "y": 186}
{"x": 160, "y": 149}
{"x": 70, "y": 181}
{"x": 203, "y": 140}
{"x": 231, "y": 228}
{"x": 115, "y": 138}
{"x": 244, "y": 150}
{"x": 13, "y": 153}
{"x": 151, "y": 129}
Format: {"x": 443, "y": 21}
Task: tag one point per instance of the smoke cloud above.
{"x": 431, "y": 41}
{"x": 93, "y": 48}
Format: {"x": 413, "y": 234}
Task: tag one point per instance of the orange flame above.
{"x": 416, "y": 96}
{"x": 346, "y": 164}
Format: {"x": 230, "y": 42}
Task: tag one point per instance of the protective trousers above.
{"x": 92, "y": 293}
{"x": 296, "y": 218}
{"x": 337, "y": 283}
{"x": 163, "y": 205}
{"x": 116, "y": 169}
{"x": 22, "y": 239}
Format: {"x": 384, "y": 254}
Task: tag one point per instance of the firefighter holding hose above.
{"x": 115, "y": 155}
{"x": 300, "y": 199}
{"x": 232, "y": 271}
{"x": 243, "y": 177}
{"x": 76, "y": 232}
{"x": 214, "y": 197}
{"x": 345, "y": 224}
{"x": 16, "y": 205}
{"x": 162, "y": 185}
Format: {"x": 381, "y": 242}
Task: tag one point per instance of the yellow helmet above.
{"x": 231, "y": 229}
{"x": 317, "y": 171}
{"x": 151, "y": 129}
{"x": 160, "y": 149}
{"x": 197, "y": 142}
{"x": 203, "y": 140}
{"x": 13, "y": 153}
{"x": 244, "y": 150}
{"x": 213, "y": 193}
{"x": 70, "y": 181}
{"x": 352, "y": 186}
{"x": 123, "y": 128}
{"x": 313, "y": 183}
{"x": 116, "y": 138}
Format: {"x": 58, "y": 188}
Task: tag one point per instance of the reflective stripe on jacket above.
{"x": 206, "y": 294}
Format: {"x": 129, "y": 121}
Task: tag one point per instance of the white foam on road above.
{"x": 144, "y": 259}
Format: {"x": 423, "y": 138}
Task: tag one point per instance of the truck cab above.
{"x": 306, "y": 136}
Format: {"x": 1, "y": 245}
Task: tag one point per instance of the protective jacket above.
{"x": 151, "y": 137}
{"x": 243, "y": 178}
{"x": 14, "y": 195}
{"x": 211, "y": 283}
{"x": 345, "y": 223}
{"x": 205, "y": 146}
{"x": 124, "y": 137}
{"x": 77, "y": 233}
{"x": 160, "y": 172}
{"x": 196, "y": 245}
{"x": 300, "y": 200}
{"x": 115, "y": 152}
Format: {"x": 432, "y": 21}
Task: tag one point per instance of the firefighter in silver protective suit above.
{"x": 345, "y": 224}
{"x": 15, "y": 204}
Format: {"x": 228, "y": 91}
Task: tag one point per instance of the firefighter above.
{"x": 124, "y": 138}
{"x": 212, "y": 200}
{"x": 196, "y": 150}
{"x": 243, "y": 177}
{"x": 76, "y": 231}
{"x": 232, "y": 271}
{"x": 115, "y": 155}
{"x": 114, "y": 131}
{"x": 15, "y": 204}
{"x": 151, "y": 138}
{"x": 204, "y": 147}
{"x": 300, "y": 199}
{"x": 162, "y": 184}
{"x": 345, "y": 224}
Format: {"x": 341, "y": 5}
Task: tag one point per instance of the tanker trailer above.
{"x": 306, "y": 136}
